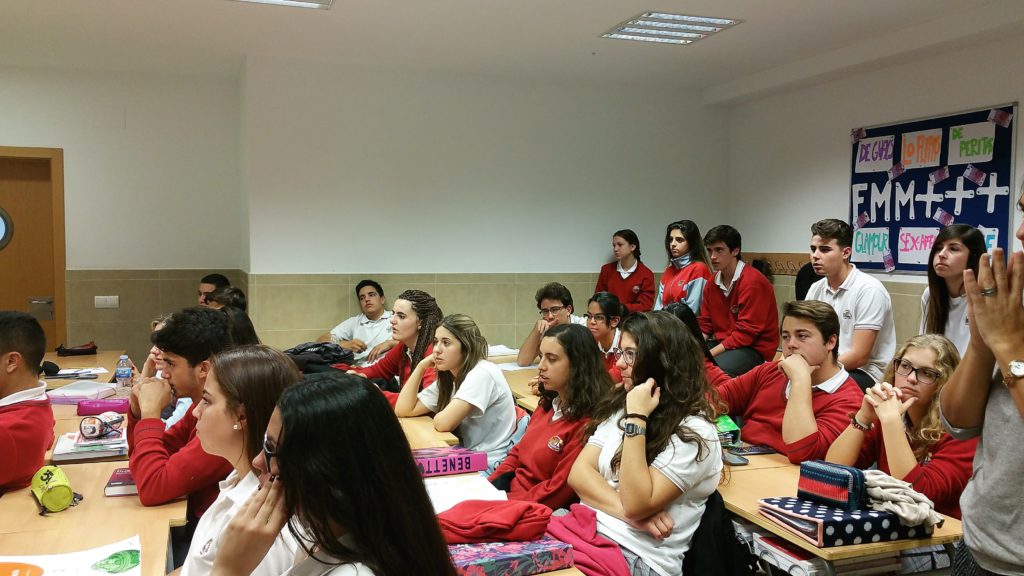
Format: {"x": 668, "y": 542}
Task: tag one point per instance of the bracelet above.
{"x": 637, "y": 416}
{"x": 856, "y": 424}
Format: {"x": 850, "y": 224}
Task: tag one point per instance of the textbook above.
{"x": 82, "y": 390}
{"x": 511, "y": 558}
{"x": 447, "y": 491}
{"x": 121, "y": 483}
{"x": 449, "y": 460}
{"x": 65, "y": 449}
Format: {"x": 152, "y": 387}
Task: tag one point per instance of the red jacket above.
{"x": 542, "y": 460}
{"x": 942, "y": 478}
{"x": 636, "y": 291}
{"x": 169, "y": 464}
{"x": 747, "y": 318}
{"x": 759, "y": 396}
{"x": 26, "y": 432}
{"x": 677, "y": 284}
{"x": 396, "y": 364}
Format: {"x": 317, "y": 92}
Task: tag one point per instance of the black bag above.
{"x": 81, "y": 350}
{"x": 715, "y": 550}
{"x": 327, "y": 352}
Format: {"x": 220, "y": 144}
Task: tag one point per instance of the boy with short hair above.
{"x": 368, "y": 334}
{"x": 798, "y": 405}
{"x": 867, "y": 336}
{"x": 26, "y": 418}
{"x": 554, "y": 302}
{"x": 738, "y": 314}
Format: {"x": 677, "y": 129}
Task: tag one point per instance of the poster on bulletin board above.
{"x": 908, "y": 180}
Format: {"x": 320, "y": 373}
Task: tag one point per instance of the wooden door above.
{"x": 32, "y": 263}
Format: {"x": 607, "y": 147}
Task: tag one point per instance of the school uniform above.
{"x": 371, "y": 332}
{"x": 633, "y": 287}
{"x": 397, "y": 363}
{"x": 235, "y": 490}
{"x": 760, "y": 397}
{"x": 744, "y": 315}
{"x": 683, "y": 281}
{"x": 608, "y": 357}
{"x": 26, "y": 432}
{"x": 541, "y": 461}
{"x": 957, "y": 329}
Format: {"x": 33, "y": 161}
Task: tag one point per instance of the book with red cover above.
{"x": 121, "y": 483}
{"x": 449, "y": 460}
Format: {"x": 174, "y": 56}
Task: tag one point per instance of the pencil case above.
{"x": 833, "y": 485}
{"x": 94, "y": 407}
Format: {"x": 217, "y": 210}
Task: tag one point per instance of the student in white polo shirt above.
{"x": 867, "y": 334}
{"x": 367, "y": 335}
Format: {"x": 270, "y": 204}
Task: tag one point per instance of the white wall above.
{"x": 789, "y": 154}
{"x": 151, "y": 174}
{"x": 350, "y": 169}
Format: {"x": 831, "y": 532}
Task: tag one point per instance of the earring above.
{"x": 236, "y": 426}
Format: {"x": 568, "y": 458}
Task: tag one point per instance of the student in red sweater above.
{"x": 168, "y": 464}
{"x": 688, "y": 269}
{"x": 571, "y": 379}
{"x": 898, "y": 426}
{"x": 26, "y": 419}
{"x": 738, "y": 313}
{"x": 604, "y": 312}
{"x": 800, "y": 404}
{"x": 627, "y": 277}
{"x": 415, "y": 316}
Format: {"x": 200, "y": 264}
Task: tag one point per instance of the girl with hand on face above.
{"x": 238, "y": 399}
{"x": 336, "y": 467}
{"x": 604, "y": 312}
{"x": 688, "y": 269}
{"x": 471, "y": 396}
{"x": 653, "y": 455}
{"x": 898, "y": 426}
{"x": 627, "y": 277}
{"x": 957, "y": 247}
{"x": 571, "y": 379}
{"x": 414, "y": 316}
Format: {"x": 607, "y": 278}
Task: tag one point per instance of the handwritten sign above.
{"x": 972, "y": 143}
{"x": 921, "y": 149}
{"x": 869, "y": 244}
{"x": 875, "y": 154}
{"x": 914, "y": 244}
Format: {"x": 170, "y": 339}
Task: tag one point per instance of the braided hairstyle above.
{"x": 429, "y": 315}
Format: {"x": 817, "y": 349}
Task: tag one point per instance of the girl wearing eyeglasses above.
{"x": 957, "y": 247}
{"x": 471, "y": 396}
{"x": 898, "y": 426}
{"x": 652, "y": 456}
{"x": 627, "y": 277}
{"x": 238, "y": 399}
{"x": 337, "y": 469}
{"x": 688, "y": 268}
{"x": 604, "y": 312}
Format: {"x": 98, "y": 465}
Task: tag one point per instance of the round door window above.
{"x": 6, "y": 228}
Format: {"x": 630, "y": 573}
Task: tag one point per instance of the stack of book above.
{"x": 791, "y": 559}
{"x": 73, "y": 447}
{"x": 82, "y": 390}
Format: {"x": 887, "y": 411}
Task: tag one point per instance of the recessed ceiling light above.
{"x": 665, "y": 28}
{"x": 321, "y": 4}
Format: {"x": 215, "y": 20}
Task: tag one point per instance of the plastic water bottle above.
{"x": 123, "y": 375}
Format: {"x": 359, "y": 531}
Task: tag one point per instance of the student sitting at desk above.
{"x": 26, "y": 419}
{"x": 898, "y": 426}
{"x": 368, "y": 334}
{"x": 688, "y": 269}
{"x": 798, "y": 405}
{"x": 373, "y": 516}
{"x": 471, "y": 394}
{"x": 604, "y": 312}
{"x": 168, "y": 464}
{"x": 231, "y": 422}
{"x": 414, "y": 317}
{"x": 571, "y": 379}
{"x": 653, "y": 455}
{"x": 627, "y": 277}
{"x": 554, "y": 302}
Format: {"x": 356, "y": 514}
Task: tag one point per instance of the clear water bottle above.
{"x": 123, "y": 375}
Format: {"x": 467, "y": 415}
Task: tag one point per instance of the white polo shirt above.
{"x": 372, "y": 332}
{"x": 862, "y": 303}
{"x": 234, "y": 492}
{"x": 957, "y": 329}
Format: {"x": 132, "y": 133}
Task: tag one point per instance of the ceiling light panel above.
{"x": 320, "y": 4}
{"x": 665, "y": 28}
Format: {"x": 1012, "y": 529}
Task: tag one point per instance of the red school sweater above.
{"x": 942, "y": 477}
{"x": 26, "y": 432}
{"x": 748, "y": 317}
{"x": 676, "y": 284}
{"x": 542, "y": 460}
{"x": 169, "y": 464}
{"x": 636, "y": 291}
{"x": 396, "y": 363}
{"x": 759, "y": 396}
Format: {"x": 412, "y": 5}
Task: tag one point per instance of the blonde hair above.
{"x": 929, "y": 429}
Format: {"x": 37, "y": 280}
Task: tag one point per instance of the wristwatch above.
{"x": 634, "y": 429}
{"x": 1014, "y": 372}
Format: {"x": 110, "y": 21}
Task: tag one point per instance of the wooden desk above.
{"x": 763, "y": 461}
{"x": 97, "y": 520}
{"x": 519, "y": 382}
{"x": 419, "y": 430}
{"x": 746, "y": 487}
{"x": 102, "y": 359}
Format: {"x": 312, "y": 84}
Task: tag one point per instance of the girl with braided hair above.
{"x": 415, "y": 316}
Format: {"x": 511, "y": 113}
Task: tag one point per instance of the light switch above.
{"x": 106, "y": 302}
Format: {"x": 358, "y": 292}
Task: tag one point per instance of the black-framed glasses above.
{"x": 628, "y": 355}
{"x": 267, "y": 454}
{"x": 924, "y": 375}
{"x": 595, "y": 317}
{"x": 550, "y": 311}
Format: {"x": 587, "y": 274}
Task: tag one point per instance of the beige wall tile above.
{"x": 178, "y": 293}
{"x": 138, "y": 299}
{"x": 500, "y": 334}
{"x": 130, "y": 336}
{"x": 281, "y": 279}
{"x": 111, "y": 274}
{"x": 906, "y": 312}
{"x": 539, "y": 279}
{"x": 284, "y": 339}
{"x": 300, "y": 307}
{"x": 522, "y": 329}
{"x": 485, "y": 303}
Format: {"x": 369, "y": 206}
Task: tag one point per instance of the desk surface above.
{"x": 519, "y": 382}
{"x": 97, "y": 520}
{"x": 746, "y": 487}
{"x": 419, "y": 430}
{"x": 102, "y": 359}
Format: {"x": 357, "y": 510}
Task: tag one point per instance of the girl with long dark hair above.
{"x": 688, "y": 268}
{"x": 957, "y": 247}
{"x": 627, "y": 277}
